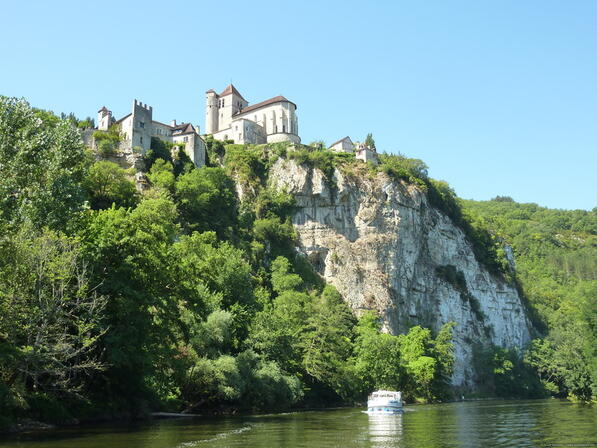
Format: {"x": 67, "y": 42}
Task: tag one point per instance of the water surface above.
{"x": 537, "y": 423}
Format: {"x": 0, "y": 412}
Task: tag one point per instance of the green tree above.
{"x": 326, "y": 341}
{"x": 207, "y": 200}
{"x": 556, "y": 257}
{"x": 161, "y": 175}
{"x": 42, "y": 165}
{"x": 371, "y": 370}
{"x": 283, "y": 279}
{"x": 218, "y": 265}
{"x": 277, "y": 329}
{"x": 128, "y": 252}
{"x": 107, "y": 184}
{"x": 50, "y": 321}
{"x": 369, "y": 141}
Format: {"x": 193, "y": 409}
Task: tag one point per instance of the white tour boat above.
{"x": 384, "y": 402}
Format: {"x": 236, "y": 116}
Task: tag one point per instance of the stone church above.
{"x": 228, "y": 116}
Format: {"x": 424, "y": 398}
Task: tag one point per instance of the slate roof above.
{"x": 183, "y": 128}
{"x": 276, "y": 99}
{"x": 229, "y": 91}
{"x": 126, "y": 116}
{"x": 335, "y": 143}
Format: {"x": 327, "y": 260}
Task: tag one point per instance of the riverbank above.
{"x": 32, "y": 425}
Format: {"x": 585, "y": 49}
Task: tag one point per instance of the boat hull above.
{"x": 384, "y": 410}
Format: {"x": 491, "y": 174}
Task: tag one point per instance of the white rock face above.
{"x": 379, "y": 243}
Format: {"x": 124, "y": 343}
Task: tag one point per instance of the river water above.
{"x": 536, "y": 423}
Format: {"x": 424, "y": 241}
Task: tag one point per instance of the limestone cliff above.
{"x": 384, "y": 247}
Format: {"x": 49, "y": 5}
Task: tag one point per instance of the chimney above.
{"x": 173, "y": 123}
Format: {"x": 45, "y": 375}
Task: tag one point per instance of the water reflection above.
{"x": 385, "y": 430}
{"x": 487, "y": 424}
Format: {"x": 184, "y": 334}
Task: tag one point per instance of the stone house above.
{"x": 361, "y": 151}
{"x": 228, "y": 116}
{"x": 366, "y": 154}
{"x": 343, "y": 145}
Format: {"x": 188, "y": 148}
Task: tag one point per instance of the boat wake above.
{"x": 215, "y": 438}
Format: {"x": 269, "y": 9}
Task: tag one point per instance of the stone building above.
{"x": 365, "y": 153}
{"x": 343, "y": 145}
{"x": 138, "y": 127}
{"x": 361, "y": 151}
{"x": 228, "y": 116}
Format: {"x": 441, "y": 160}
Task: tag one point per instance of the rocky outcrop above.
{"x": 381, "y": 244}
{"x": 124, "y": 156}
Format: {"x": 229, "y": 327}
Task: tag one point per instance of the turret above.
{"x": 211, "y": 112}
{"x": 141, "y": 119}
{"x": 104, "y": 119}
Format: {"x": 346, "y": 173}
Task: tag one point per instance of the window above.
{"x": 141, "y": 125}
{"x": 222, "y": 102}
{"x": 185, "y": 139}
{"x": 140, "y": 140}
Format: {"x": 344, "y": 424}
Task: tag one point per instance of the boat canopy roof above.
{"x": 385, "y": 393}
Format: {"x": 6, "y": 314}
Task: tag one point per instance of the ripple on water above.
{"x": 215, "y": 438}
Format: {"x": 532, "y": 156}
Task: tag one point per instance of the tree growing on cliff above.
{"x": 106, "y": 184}
{"x": 42, "y": 166}
{"x": 369, "y": 141}
{"x": 207, "y": 201}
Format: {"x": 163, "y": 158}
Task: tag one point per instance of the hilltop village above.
{"x": 270, "y": 278}
{"x": 228, "y": 117}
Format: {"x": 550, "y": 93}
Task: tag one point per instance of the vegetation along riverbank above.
{"x": 190, "y": 295}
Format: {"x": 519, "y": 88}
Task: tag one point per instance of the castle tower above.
{"x": 230, "y": 103}
{"x": 211, "y": 112}
{"x": 141, "y": 118}
{"x": 104, "y": 119}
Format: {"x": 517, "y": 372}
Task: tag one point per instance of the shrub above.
{"x": 107, "y": 141}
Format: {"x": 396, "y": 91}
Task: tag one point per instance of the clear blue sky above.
{"x": 497, "y": 97}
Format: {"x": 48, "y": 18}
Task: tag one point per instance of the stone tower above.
{"x": 230, "y": 103}
{"x": 142, "y": 116}
{"x": 104, "y": 119}
{"x": 211, "y": 112}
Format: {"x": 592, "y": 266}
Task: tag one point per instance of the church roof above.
{"x": 229, "y": 91}
{"x": 103, "y": 109}
{"x": 276, "y": 99}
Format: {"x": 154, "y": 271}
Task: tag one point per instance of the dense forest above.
{"x": 114, "y": 303}
{"x": 556, "y": 272}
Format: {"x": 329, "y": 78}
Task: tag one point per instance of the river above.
{"x": 536, "y": 423}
